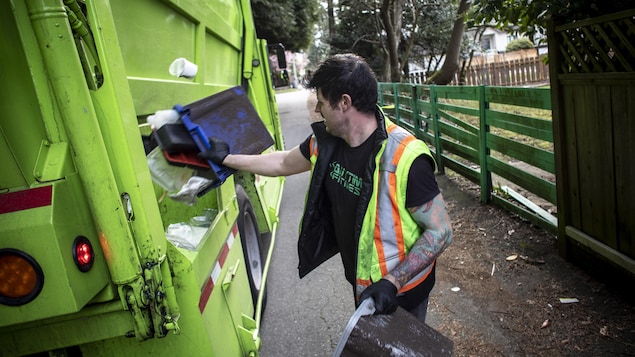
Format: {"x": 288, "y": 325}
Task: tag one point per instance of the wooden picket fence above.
{"x": 518, "y": 68}
{"x": 516, "y": 72}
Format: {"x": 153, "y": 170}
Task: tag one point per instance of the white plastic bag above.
{"x": 187, "y": 193}
{"x": 184, "y": 235}
{"x": 171, "y": 178}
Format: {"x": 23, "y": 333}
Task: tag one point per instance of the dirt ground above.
{"x": 500, "y": 284}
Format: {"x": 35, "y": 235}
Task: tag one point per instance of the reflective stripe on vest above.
{"x": 313, "y": 151}
{"x": 387, "y": 237}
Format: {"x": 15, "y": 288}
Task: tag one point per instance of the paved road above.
{"x": 303, "y": 317}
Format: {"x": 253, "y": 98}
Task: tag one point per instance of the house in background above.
{"x": 494, "y": 40}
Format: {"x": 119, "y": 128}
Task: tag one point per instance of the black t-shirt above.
{"x": 343, "y": 187}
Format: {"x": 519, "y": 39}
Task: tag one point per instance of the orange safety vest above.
{"x": 388, "y": 230}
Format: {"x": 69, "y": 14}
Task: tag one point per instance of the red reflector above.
{"x": 83, "y": 253}
{"x": 27, "y": 199}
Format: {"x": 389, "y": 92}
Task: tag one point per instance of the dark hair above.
{"x": 346, "y": 73}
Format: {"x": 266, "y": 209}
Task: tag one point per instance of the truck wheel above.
{"x": 251, "y": 243}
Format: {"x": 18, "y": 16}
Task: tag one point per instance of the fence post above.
{"x": 416, "y": 116}
{"x": 395, "y": 93}
{"x": 486, "y": 175}
{"x": 437, "y": 133}
{"x": 381, "y": 94}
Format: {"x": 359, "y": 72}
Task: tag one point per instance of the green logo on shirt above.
{"x": 347, "y": 179}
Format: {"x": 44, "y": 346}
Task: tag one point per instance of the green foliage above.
{"x": 289, "y": 22}
{"x": 498, "y": 189}
{"x": 358, "y": 31}
{"x": 519, "y": 44}
{"x": 433, "y": 35}
{"x": 530, "y": 16}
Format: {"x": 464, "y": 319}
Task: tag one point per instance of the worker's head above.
{"x": 346, "y": 74}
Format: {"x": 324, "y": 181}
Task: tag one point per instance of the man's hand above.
{"x": 385, "y": 295}
{"x": 218, "y": 151}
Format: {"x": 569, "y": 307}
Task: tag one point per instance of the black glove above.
{"x": 218, "y": 151}
{"x": 385, "y": 295}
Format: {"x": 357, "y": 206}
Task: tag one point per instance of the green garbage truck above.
{"x": 98, "y": 255}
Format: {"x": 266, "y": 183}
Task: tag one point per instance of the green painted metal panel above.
{"x": 13, "y": 176}
{"x": 22, "y": 126}
{"x": 54, "y": 162}
{"x": 153, "y": 33}
{"x": 47, "y": 234}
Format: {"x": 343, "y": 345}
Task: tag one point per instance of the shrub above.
{"x": 519, "y": 44}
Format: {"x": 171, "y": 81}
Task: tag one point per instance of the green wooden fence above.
{"x": 592, "y": 65}
{"x": 480, "y": 131}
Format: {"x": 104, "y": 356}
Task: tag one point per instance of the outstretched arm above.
{"x": 277, "y": 163}
{"x": 436, "y": 237}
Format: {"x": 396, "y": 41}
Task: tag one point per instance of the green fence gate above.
{"x": 593, "y": 84}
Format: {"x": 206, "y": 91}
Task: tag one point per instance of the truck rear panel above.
{"x": 79, "y": 79}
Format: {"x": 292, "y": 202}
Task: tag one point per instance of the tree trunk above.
{"x": 331, "y": 18}
{"x": 391, "y": 17}
{"x": 451, "y": 64}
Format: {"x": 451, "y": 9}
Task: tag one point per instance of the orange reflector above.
{"x": 17, "y": 276}
{"x": 21, "y": 278}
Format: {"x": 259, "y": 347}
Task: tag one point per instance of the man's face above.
{"x": 333, "y": 116}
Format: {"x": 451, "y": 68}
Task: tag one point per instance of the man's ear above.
{"x": 346, "y": 102}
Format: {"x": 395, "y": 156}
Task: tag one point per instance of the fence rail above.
{"x": 480, "y": 131}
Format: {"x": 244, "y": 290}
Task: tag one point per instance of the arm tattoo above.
{"x": 437, "y": 236}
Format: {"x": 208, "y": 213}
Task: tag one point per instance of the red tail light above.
{"x": 83, "y": 253}
{"x": 21, "y": 277}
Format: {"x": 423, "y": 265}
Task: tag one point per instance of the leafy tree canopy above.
{"x": 433, "y": 35}
{"x": 424, "y": 33}
{"x": 358, "y": 31}
{"x": 530, "y": 16}
{"x": 289, "y": 22}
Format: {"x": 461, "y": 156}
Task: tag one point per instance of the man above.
{"x": 373, "y": 196}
